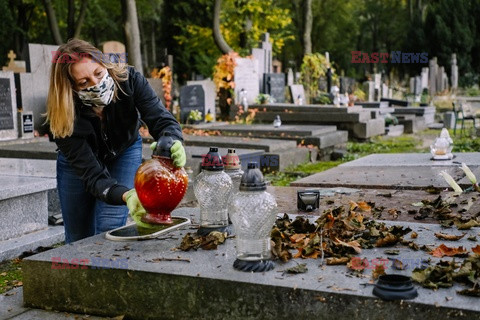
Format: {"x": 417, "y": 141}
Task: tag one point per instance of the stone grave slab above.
{"x": 279, "y": 154}
{"x": 320, "y": 136}
{"x": 150, "y": 279}
{"x": 8, "y": 106}
{"x": 246, "y": 75}
{"x": 392, "y": 171}
{"x": 427, "y": 113}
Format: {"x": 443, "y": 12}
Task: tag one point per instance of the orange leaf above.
{"x": 450, "y": 237}
{"x": 298, "y": 254}
{"x": 442, "y": 251}
{"x": 362, "y": 205}
{"x": 297, "y": 237}
{"x": 331, "y": 221}
{"x": 352, "y": 244}
{"x": 476, "y": 249}
{"x": 336, "y": 261}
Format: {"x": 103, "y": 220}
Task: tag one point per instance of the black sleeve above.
{"x": 152, "y": 111}
{"x": 94, "y": 174}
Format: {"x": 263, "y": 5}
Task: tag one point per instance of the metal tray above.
{"x": 131, "y": 232}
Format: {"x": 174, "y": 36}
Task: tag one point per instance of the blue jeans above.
{"x": 83, "y": 214}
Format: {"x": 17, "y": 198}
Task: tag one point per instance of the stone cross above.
{"x": 15, "y": 66}
{"x": 264, "y": 57}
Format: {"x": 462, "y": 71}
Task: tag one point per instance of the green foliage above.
{"x": 313, "y": 67}
{"x": 472, "y": 91}
{"x": 385, "y": 144}
{"x": 466, "y": 144}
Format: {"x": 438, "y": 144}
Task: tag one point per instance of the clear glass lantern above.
{"x": 277, "y": 122}
{"x": 441, "y": 149}
{"x": 212, "y": 188}
{"x": 253, "y": 212}
{"x": 233, "y": 169}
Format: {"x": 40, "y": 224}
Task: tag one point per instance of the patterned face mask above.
{"x": 100, "y": 94}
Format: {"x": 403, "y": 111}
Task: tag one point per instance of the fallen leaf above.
{"x": 392, "y": 252}
{"x": 476, "y": 249}
{"x": 3, "y": 274}
{"x": 337, "y": 261}
{"x": 450, "y": 237}
{"x": 399, "y": 265}
{"x": 442, "y": 251}
{"x": 352, "y": 244}
{"x": 468, "y": 225}
{"x": 378, "y": 271}
{"x": 414, "y": 235}
{"x": 388, "y": 240}
{"x": 300, "y": 268}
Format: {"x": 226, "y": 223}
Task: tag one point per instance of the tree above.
{"x": 132, "y": 34}
{"x": 307, "y": 31}
{"x": 74, "y": 26}
{"x": 217, "y": 34}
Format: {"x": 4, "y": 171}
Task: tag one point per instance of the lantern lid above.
{"x": 164, "y": 143}
{"x": 252, "y": 179}
{"x": 212, "y": 161}
{"x": 232, "y": 161}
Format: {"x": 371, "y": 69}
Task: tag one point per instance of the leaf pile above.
{"x": 441, "y": 210}
{"x": 208, "y": 242}
{"x": 445, "y": 273}
{"x": 337, "y": 233}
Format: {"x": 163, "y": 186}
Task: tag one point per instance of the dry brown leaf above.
{"x": 362, "y": 205}
{"x": 297, "y": 237}
{"x": 414, "y": 235}
{"x": 390, "y": 239}
{"x": 442, "y": 251}
{"x": 351, "y": 244}
{"x": 337, "y": 261}
{"x": 476, "y": 249}
{"x": 378, "y": 271}
{"x": 450, "y": 237}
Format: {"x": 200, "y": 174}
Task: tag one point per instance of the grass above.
{"x": 10, "y": 275}
{"x": 407, "y": 143}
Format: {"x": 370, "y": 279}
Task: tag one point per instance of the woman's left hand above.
{"x": 178, "y": 154}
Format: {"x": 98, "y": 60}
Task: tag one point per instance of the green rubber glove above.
{"x": 178, "y": 154}
{"x": 135, "y": 209}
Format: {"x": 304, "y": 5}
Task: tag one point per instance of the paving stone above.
{"x": 205, "y": 285}
{"x": 413, "y": 160}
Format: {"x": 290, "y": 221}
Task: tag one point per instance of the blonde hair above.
{"x": 60, "y": 106}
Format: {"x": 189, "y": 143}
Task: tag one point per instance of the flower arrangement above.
{"x": 166, "y": 75}
{"x": 263, "y": 98}
{"x": 195, "y": 115}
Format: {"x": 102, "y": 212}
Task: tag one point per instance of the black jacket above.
{"x": 92, "y": 146}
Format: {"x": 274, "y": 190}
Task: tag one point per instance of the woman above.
{"x": 94, "y": 109}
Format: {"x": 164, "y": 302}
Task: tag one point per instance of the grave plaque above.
{"x": 6, "y": 109}
{"x": 274, "y": 85}
{"x": 246, "y": 77}
{"x": 210, "y": 93}
{"x": 297, "y": 92}
{"x": 27, "y": 123}
{"x": 8, "y": 106}
{"x": 191, "y": 98}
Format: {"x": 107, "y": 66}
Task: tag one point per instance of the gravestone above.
{"x": 246, "y": 78}
{"x": 32, "y": 86}
{"x": 8, "y": 106}
{"x": 424, "y": 78}
{"x": 439, "y": 79}
{"x": 290, "y": 77}
{"x": 274, "y": 85}
{"x": 157, "y": 86}
{"x": 191, "y": 98}
{"x": 16, "y": 66}
{"x": 454, "y": 72}
{"x": 210, "y": 93}
{"x": 276, "y": 66}
{"x": 378, "y": 82}
{"x": 432, "y": 89}
{"x": 298, "y": 92}
{"x": 370, "y": 90}
{"x": 264, "y": 58}
{"x": 384, "y": 90}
